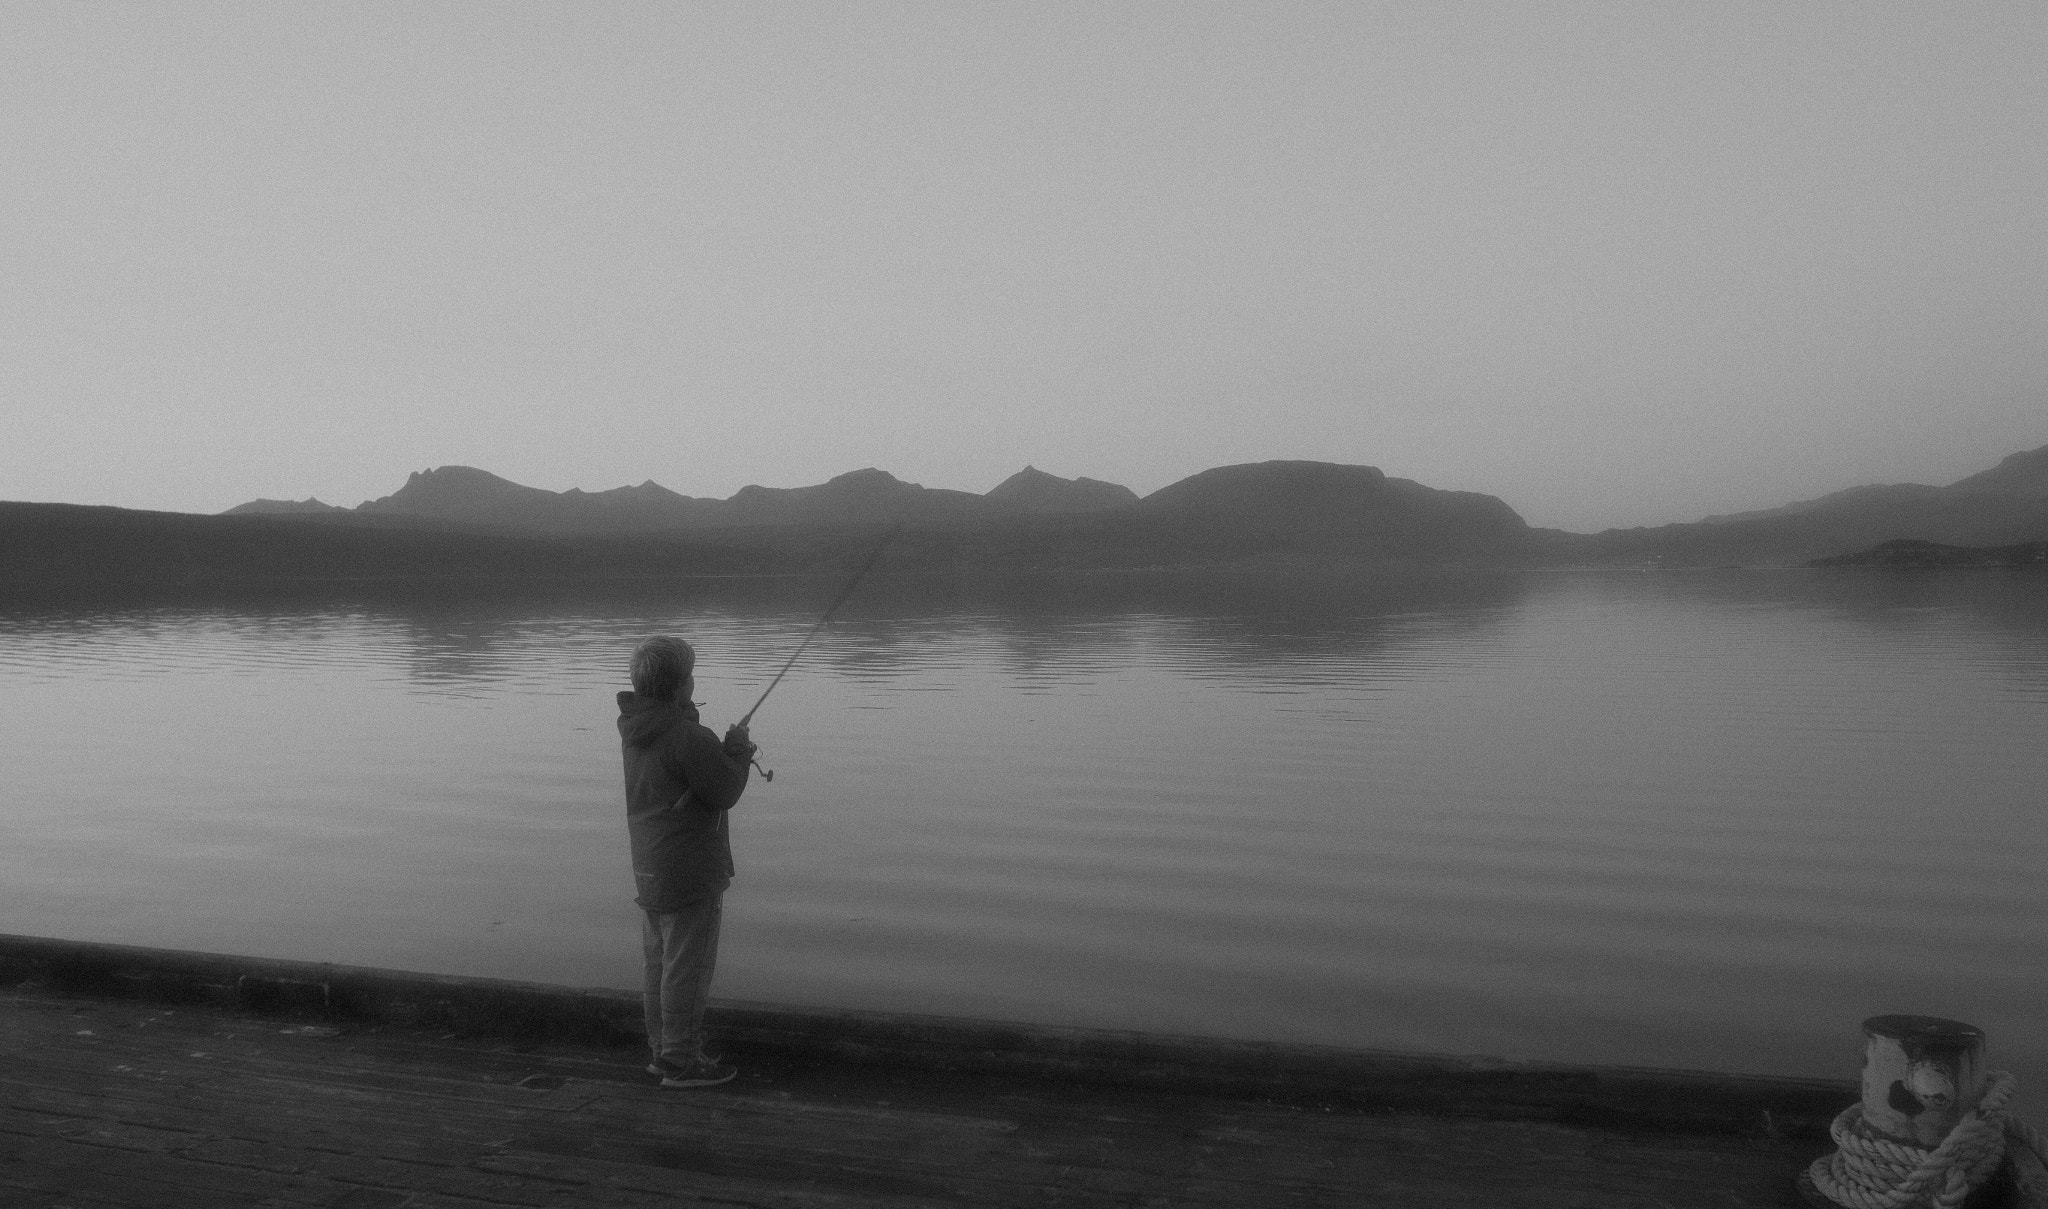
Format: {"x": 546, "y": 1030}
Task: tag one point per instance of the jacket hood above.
{"x": 643, "y": 720}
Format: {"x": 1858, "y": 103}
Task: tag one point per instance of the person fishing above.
{"x": 680, "y": 783}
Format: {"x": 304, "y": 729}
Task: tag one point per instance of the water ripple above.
{"x": 1603, "y": 817}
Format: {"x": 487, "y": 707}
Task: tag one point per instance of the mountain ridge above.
{"x": 1327, "y": 505}
{"x": 309, "y": 505}
{"x": 2002, "y": 506}
{"x": 869, "y": 495}
{"x": 1273, "y": 515}
{"x": 472, "y": 495}
{"x": 2023, "y": 473}
{"x": 468, "y": 525}
{"x": 1033, "y": 490}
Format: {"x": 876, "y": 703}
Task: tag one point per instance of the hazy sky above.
{"x": 1617, "y": 263}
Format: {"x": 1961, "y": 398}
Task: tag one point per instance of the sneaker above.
{"x": 702, "y": 1073}
{"x": 664, "y": 1068}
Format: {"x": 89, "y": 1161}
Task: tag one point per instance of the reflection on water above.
{"x": 1704, "y": 819}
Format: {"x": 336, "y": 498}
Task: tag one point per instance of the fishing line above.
{"x": 866, "y": 566}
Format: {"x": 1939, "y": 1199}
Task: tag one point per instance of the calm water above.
{"x": 1683, "y": 819}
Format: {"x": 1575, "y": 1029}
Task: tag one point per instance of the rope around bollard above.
{"x": 1870, "y": 1171}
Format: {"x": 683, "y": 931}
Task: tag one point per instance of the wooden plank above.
{"x": 143, "y": 1181}
{"x": 1150, "y": 1150}
{"x": 462, "y": 1178}
{"x": 95, "y": 1191}
{"x": 622, "y": 1175}
{"x": 147, "y": 1062}
{"x": 441, "y": 1141}
{"x": 415, "y": 1139}
{"x": 267, "y": 1154}
{"x": 264, "y": 1079}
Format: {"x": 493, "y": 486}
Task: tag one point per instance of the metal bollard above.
{"x": 1920, "y": 1075}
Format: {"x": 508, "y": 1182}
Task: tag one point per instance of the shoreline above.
{"x": 1634, "y": 1098}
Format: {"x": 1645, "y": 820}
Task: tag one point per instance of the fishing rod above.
{"x": 851, "y": 584}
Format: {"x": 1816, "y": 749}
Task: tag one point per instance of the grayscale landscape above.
{"x": 1503, "y": 547}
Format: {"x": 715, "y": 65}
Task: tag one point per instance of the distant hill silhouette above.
{"x": 466, "y": 524}
{"x": 2003, "y": 506}
{"x": 858, "y": 497}
{"x": 1281, "y": 504}
{"x": 466, "y": 495}
{"x": 1233, "y": 513}
{"x": 1849, "y": 499}
{"x": 1353, "y": 510}
{"x": 1033, "y": 490}
{"x": 463, "y": 523}
{"x": 282, "y": 508}
{"x": 2022, "y": 473}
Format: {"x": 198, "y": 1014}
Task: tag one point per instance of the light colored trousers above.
{"x": 681, "y": 947}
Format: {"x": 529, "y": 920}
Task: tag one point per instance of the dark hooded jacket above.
{"x": 679, "y": 783}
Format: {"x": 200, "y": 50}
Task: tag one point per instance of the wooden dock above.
{"x": 141, "y": 1078}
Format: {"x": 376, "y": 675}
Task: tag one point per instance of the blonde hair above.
{"x": 660, "y": 665}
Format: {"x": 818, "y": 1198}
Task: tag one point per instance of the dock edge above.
{"x": 1357, "y": 1080}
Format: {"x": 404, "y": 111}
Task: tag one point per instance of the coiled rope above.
{"x": 1870, "y": 1171}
